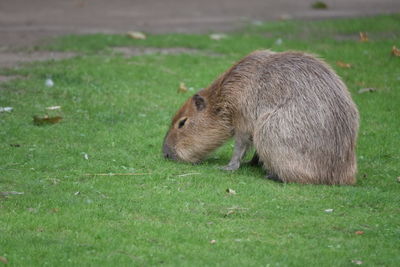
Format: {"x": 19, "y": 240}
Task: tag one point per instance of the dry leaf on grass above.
{"x": 230, "y": 191}
{"x": 55, "y": 210}
{"x": 137, "y": 35}
{"x": 343, "y": 64}
{"x": 363, "y": 37}
{"x": 229, "y": 212}
{"x": 3, "y": 260}
{"x": 319, "y": 5}
{"x": 359, "y": 232}
{"x": 366, "y": 90}
{"x": 46, "y": 120}
{"x": 182, "y": 88}
{"x": 395, "y": 51}
{"x": 213, "y": 241}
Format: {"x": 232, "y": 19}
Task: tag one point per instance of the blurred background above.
{"x": 24, "y": 22}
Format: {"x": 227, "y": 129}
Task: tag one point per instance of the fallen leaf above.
{"x": 328, "y": 210}
{"x": 359, "y": 232}
{"x": 230, "y": 212}
{"x": 363, "y": 37}
{"x": 137, "y": 35}
{"x": 6, "y": 109}
{"x": 366, "y": 90}
{"x": 39, "y": 121}
{"x": 343, "y": 64}
{"x": 230, "y": 191}
{"x": 213, "y": 241}
{"x": 319, "y": 5}
{"x": 3, "y": 260}
{"x": 182, "y": 88}
{"x": 358, "y": 262}
{"x": 55, "y": 210}
{"x": 218, "y": 36}
{"x": 395, "y": 51}
{"x": 53, "y": 107}
{"x": 49, "y": 82}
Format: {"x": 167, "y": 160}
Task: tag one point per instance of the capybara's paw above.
{"x": 273, "y": 177}
{"x": 230, "y": 167}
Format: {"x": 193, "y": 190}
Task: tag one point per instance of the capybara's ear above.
{"x": 199, "y": 102}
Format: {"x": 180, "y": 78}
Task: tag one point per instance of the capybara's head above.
{"x": 196, "y": 130}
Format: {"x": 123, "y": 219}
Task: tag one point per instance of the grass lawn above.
{"x": 116, "y": 110}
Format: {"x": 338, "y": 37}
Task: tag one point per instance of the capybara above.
{"x": 291, "y": 106}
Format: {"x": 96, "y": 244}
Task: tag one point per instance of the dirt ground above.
{"x": 24, "y": 23}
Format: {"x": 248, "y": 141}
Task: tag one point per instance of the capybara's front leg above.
{"x": 242, "y": 143}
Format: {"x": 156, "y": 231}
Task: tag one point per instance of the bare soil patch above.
{"x": 26, "y": 23}
{"x": 138, "y": 51}
{"x": 5, "y": 78}
{"x": 9, "y": 59}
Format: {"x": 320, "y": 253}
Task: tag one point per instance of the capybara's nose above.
{"x": 167, "y": 152}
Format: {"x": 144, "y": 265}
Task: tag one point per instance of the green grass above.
{"x": 117, "y": 111}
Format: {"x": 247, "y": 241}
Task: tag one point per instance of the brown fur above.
{"x": 290, "y": 106}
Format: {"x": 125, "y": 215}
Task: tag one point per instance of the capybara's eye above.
{"x": 182, "y": 123}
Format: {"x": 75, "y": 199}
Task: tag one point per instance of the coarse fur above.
{"x": 291, "y": 106}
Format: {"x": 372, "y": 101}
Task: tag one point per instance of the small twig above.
{"x": 115, "y": 174}
{"x": 11, "y": 193}
{"x": 187, "y": 174}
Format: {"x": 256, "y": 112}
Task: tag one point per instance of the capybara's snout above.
{"x": 168, "y": 152}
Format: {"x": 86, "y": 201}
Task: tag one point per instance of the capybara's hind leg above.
{"x": 278, "y": 153}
